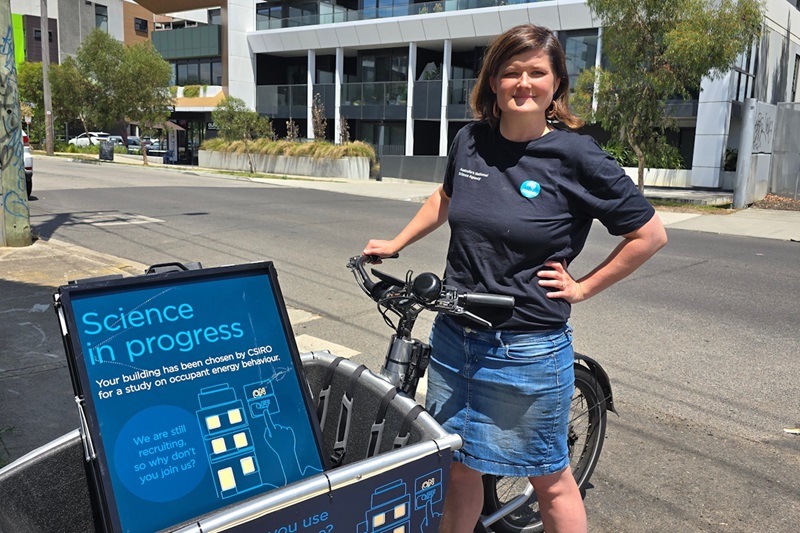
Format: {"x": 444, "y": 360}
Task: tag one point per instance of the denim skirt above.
{"x": 507, "y": 393}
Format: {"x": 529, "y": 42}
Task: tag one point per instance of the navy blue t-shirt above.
{"x": 516, "y": 205}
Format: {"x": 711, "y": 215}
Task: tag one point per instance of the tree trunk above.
{"x": 144, "y": 154}
{"x": 249, "y": 157}
{"x": 640, "y": 158}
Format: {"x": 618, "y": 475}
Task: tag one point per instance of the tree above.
{"x": 31, "y": 93}
{"x": 100, "y": 61}
{"x": 236, "y": 122}
{"x": 660, "y": 50}
{"x": 150, "y": 102}
{"x": 108, "y": 83}
{"x": 73, "y": 93}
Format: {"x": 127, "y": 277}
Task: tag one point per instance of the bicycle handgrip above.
{"x": 487, "y": 300}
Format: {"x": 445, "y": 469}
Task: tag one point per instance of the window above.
{"x": 205, "y": 71}
{"x": 37, "y": 36}
{"x": 580, "y": 49}
{"x": 216, "y": 72}
{"x": 101, "y": 17}
{"x": 215, "y": 16}
{"x": 269, "y": 15}
{"x": 140, "y": 25}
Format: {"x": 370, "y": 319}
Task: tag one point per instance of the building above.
{"x": 399, "y": 72}
{"x": 69, "y": 22}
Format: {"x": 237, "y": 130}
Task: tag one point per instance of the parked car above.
{"x": 89, "y": 138}
{"x": 134, "y": 145}
{"x": 27, "y": 160}
{"x": 116, "y": 139}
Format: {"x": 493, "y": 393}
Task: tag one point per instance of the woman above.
{"x": 520, "y": 193}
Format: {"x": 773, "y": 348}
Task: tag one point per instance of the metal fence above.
{"x": 785, "y": 170}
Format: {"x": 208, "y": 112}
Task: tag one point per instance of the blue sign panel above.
{"x": 192, "y": 393}
{"x": 407, "y": 499}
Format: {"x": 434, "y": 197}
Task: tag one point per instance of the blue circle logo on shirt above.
{"x": 530, "y": 189}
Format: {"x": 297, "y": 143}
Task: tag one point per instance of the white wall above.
{"x": 241, "y": 60}
{"x": 116, "y": 26}
{"x": 196, "y": 15}
{"x": 30, "y": 7}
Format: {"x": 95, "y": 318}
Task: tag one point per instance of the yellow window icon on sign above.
{"x": 226, "y": 479}
{"x": 378, "y": 520}
{"x": 240, "y": 440}
{"x": 400, "y": 529}
{"x": 235, "y": 416}
{"x": 218, "y": 445}
{"x": 400, "y": 511}
{"x": 213, "y": 422}
{"x": 248, "y": 465}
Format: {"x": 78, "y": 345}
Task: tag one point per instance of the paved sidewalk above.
{"x": 35, "y": 388}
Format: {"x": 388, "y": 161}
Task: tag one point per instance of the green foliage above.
{"x": 173, "y": 91}
{"x": 72, "y": 92}
{"x": 31, "y": 94}
{"x": 149, "y": 102}
{"x": 191, "y": 91}
{"x": 317, "y": 149}
{"x": 72, "y": 149}
{"x": 237, "y": 122}
{"x": 658, "y": 50}
{"x": 108, "y": 83}
{"x": 29, "y": 84}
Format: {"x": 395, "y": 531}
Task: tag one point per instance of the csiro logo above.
{"x": 530, "y": 189}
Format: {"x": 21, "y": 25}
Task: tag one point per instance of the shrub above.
{"x": 191, "y": 91}
{"x": 317, "y": 149}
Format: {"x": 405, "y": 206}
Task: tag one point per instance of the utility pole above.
{"x": 16, "y": 219}
{"x": 48, "y": 104}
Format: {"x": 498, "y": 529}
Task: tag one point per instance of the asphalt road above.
{"x": 701, "y": 343}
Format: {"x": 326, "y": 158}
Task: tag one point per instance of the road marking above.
{"x": 115, "y": 219}
{"x": 307, "y": 343}
{"x": 299, "y": 316}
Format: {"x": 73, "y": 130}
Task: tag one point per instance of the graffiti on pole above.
{"x": 12, "y": 150}
{"x": 764, "y": 128}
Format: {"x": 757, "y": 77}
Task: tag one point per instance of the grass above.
{"x": 315, "y": 149}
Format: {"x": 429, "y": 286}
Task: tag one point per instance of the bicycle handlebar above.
{"x": 425, "y": 291}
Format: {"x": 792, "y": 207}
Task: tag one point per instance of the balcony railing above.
{"x": 369, "y": 100}
{"x": 330, "y": 14}
{"x": 289, "y": 101}
{"x": 375, "y": 93}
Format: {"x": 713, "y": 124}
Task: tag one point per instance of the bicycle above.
{"x": 510, "y": 504}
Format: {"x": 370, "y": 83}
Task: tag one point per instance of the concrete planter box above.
{"x": 356, "y": 168}
{"x": 679, "y": 178}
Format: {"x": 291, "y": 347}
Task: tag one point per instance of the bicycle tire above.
{"x": 586, "y": 433}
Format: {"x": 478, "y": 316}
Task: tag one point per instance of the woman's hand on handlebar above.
{"x": 381, "y": 248}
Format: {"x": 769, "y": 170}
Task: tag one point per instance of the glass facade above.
{"x": 204, "y": 71}
{"x": 580, "y": 48}
{"x": 374, "y": 89}
{"x": 290, "y": 13}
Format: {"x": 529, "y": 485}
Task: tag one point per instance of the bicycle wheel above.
{"x": 587, "y": 428}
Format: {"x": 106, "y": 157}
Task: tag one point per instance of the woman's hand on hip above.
{"x": 556, "y": 277}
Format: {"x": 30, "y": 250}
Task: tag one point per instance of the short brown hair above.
{"x": 512, "y": 42}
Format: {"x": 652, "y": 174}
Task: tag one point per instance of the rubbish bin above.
{"x": 393, "y": 457}
{"x": 106, "y": 150}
